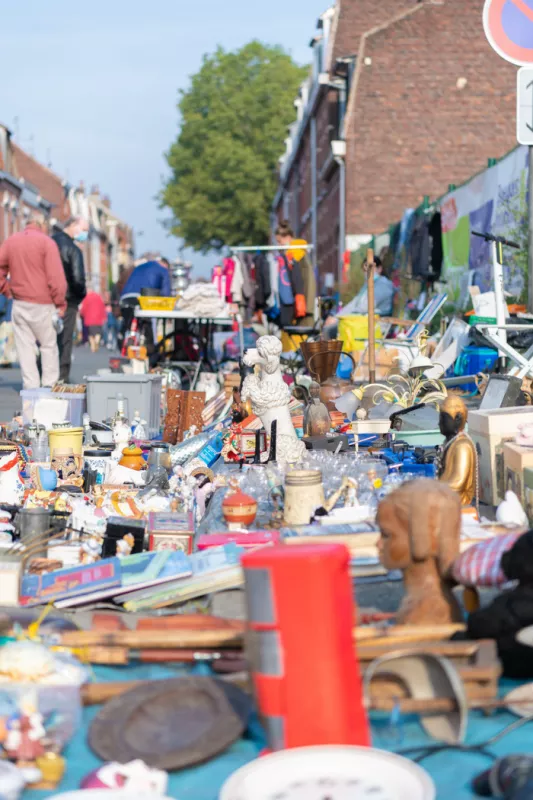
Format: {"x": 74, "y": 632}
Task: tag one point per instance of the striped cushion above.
{"x": 480, "y": 564}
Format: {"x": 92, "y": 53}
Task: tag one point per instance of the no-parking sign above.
{"x": 509, "y": 28}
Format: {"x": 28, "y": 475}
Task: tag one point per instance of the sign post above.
{"x": 524, "y": 135}
{"x": 508, "y": 27}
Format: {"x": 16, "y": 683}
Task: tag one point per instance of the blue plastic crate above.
{"x": 473, "y": 360}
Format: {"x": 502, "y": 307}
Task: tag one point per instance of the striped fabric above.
{"x": 480, "y": 564}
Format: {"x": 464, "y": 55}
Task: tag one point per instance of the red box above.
{"x": 246, "y": 540}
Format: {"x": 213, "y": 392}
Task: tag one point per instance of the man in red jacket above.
{"x": 32, "y": 274}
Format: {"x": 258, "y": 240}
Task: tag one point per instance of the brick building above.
{"x": 27, "y": 188}
{"x": 405, "y": 97}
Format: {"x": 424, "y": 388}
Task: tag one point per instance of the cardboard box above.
{"x": 489, "y": 431}
{"x": 515, "y": 460}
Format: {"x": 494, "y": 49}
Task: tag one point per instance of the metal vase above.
{"x": 31, "y": 523}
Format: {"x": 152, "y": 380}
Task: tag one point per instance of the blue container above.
{"x": 473, "y": 360}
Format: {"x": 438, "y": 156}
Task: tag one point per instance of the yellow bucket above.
{"x": 66, "y": 439}
{"x": 353, "y": 331}
{"x": 157, "y": 303}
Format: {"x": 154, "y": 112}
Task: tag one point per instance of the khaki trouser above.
{"x": 33, "y": 323}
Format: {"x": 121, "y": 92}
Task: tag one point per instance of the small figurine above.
{"x": 121, "y": 439}
{"x": 204, "y": 491}
{"x": 91, "y": 549}
{"x": 125, "y": 545}
{"x": 420, "y": 524}
{"x": 457, "y": 462}
{"x": 156, "y": 481}
{"x": 270, "y": 397}
{"x": 25, "y": 733}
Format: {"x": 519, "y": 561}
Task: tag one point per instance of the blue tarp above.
{"x": 451, "y": 771}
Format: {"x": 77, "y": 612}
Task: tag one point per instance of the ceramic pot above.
{"x": 304, "y": 493}
{"x": 68, "y": 466}
{"x": 43, "y": 479}
{"x": 332, "y": 388}
{"x": 239, "y": 510}
{"x": 98, "y": 461}
{"x": 132, "y": 458}
{"x": 63, "y": 437}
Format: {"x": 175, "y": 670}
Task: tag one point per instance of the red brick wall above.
{"x": 358, "y": 16}
{"x": 413, "y": 131}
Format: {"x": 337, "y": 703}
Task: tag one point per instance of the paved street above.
{"x": 84, "y": 363}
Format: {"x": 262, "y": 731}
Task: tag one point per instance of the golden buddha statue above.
{"x": 457, "y": 460}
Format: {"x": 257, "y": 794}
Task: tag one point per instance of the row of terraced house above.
{"x": 30, "y": 189}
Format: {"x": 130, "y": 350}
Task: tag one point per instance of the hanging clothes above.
{"x": 291, "y": 291}
{"x": 263, "y": 288}
{"x": 228, "y": 271}
{"x": 419, "y": 246}
{"x": 437, "y": 255}
{"x": 217, "y": 277}
{"x": 299, "y": 255}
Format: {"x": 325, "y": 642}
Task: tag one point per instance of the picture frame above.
{"x": 172, "y": 541}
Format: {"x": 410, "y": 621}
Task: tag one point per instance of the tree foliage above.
{"x": 234, "y": 120}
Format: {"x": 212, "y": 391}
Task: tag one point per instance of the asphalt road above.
{"x": 84, "y": 363}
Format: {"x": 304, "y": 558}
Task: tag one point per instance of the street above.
{"x": 84, "y": 363}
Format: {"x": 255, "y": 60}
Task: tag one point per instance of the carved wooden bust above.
{"x": 420, "y": 524}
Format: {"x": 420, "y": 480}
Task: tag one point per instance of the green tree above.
{"x": 234, "y": 120}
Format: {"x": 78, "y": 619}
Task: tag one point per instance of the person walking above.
{"x": 32, "y": 274}
{"x": 74, "y": 230}
{"x": 94, "y": 315}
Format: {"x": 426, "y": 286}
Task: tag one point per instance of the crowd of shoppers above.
{"x": 42, "y": 279}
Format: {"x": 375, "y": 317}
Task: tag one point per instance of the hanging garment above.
{"x": 419, "y": 246}
{"x": 237, "y": 282}
{"x": 228, "y": 270}
{"x": 300, "y": 257}
{"x": 435, "y": 231}
{"x": 263, "y": 288}
{"x": 291, "y": 291}
{"x": 217, "y": 277}
{"x": 402, "y": 251}
{"x": 247, "y": 288}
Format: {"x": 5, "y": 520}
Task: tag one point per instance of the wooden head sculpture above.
{"x": 420, "y": 525}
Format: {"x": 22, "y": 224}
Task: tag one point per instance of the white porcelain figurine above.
{"x": 270, "y": 397}
{"x": 11, "y": 486}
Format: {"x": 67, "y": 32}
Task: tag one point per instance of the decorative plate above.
{"x": 332, "y": 772}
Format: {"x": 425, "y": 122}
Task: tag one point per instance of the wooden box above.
{"x": 489, "y": 431}
{"x": 515, "y": 460}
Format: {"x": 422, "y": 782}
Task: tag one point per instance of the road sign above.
{"x": 524, "y": 111}
{"x": 509, "y": 28}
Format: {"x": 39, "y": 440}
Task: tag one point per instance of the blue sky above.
{"x": 94, "y": 85}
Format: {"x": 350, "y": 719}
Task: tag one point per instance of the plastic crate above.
{"x": 474, "y": 360}
{"x": 141, "y": 393}
{"x": 77, "y": 404}
{"x": 157, "y": 303}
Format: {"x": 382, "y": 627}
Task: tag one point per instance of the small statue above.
{"x": 25, "y": 734}
{"x": 317, "y": 421}
{"x": 270, "y": 397}
{"x": 121, "y": 438}
{"x": 125, "y": 545}
{"x": 156, "y": 482}
{"x": 420, "y": 524}
{"x": 91, "y": 549}
{"x": 204, "y": 491}
{"x": 457, "y": 462}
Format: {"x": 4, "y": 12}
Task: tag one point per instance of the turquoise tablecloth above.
{"x": 451, "y": 771}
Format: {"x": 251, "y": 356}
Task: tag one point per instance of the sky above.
{"x": 92, "y": 87}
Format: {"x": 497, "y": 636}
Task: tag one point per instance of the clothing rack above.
{"x": 271, "y": 247}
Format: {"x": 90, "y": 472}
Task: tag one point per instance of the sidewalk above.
{"x": 84, "y": 363}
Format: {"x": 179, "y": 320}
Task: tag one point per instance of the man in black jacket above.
{"x": 74, "y": 230}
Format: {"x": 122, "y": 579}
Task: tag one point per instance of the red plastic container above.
{"x": 301, "y": 616}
